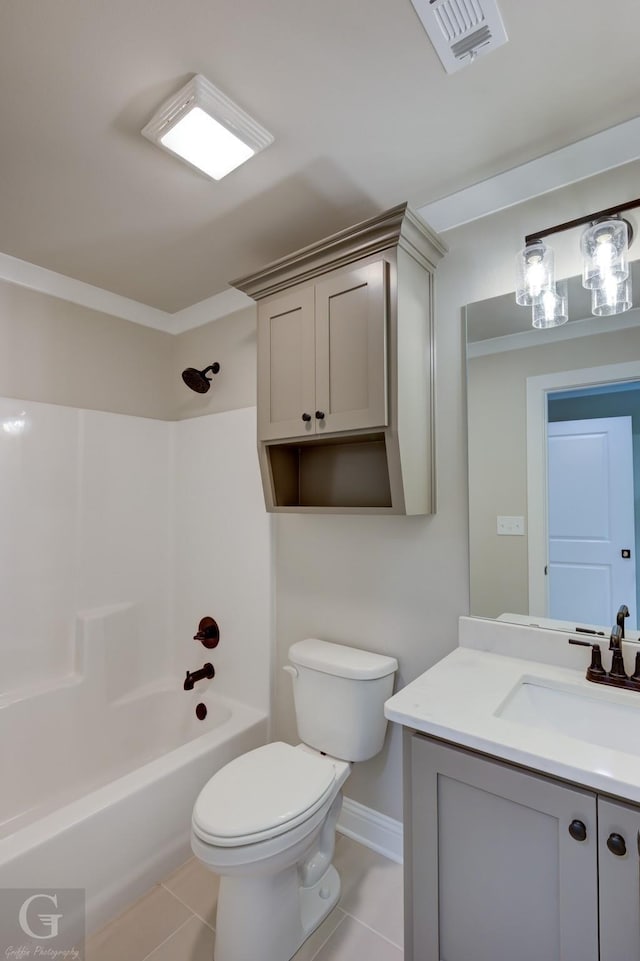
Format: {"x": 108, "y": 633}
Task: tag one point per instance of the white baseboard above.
{"x": 376, "y": 831}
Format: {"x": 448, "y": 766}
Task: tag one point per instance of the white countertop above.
{"x": 458, "y": 700}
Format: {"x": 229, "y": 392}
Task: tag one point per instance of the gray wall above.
{"x": 59, "y": 353}
{"x": 232, "y": 342}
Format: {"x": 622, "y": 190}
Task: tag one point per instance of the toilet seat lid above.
{"x": 262, "y": 794}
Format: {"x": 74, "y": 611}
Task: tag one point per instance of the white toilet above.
{"x": 266, "y": 821}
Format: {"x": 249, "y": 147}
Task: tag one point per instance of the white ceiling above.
{"x": 363, "y": 114}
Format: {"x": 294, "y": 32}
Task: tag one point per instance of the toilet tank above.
{"x": 339, "y": 694}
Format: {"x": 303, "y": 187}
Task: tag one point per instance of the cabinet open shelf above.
{"x": 349, "y": 473}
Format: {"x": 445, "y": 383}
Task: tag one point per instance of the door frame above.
{"x": 537, "y": 509}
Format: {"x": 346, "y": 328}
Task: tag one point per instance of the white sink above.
{"x": 605, "y": 717}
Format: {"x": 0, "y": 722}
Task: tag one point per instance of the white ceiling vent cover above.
{"x": 461, "y": 30}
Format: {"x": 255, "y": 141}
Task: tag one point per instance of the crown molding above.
{"x": 396, "y": 227}
{"x": 594, "y": 155}
{"x": 24, "y": 274}
{"x": 45, "y": 281}
{"x": 219, "y": 305}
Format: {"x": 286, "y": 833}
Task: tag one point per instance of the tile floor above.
{"x": 175, "y": 921}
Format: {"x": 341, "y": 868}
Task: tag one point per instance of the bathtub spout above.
{"x": 207, "y": 671}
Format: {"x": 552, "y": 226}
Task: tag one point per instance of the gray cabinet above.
{"x": 345, "y": 370}
{"x": 493, "y": 873}
{"x": 286, "y": 363}
{"x": 322, "y": 355}
{"x": 619, "y": 874}
{"x": 503, "y": 863}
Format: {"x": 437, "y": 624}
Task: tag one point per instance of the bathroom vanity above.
{"x": 522, "y": 803}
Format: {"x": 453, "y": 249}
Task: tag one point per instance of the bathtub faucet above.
{"x": 207, "y": 671}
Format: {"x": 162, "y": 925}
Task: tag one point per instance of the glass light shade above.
{"x": 612, "y": 299}
{"x": 206, "y": 144}
{"x": 551, "y": 310}
{"x": 535, "y": 273}
{"x": 605, "y": 248}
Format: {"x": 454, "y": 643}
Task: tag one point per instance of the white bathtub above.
{"x": 98, "y": 793}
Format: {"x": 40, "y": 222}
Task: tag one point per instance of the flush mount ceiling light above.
{"x": 605, "y": 251}
{"x": 202, "y": 126}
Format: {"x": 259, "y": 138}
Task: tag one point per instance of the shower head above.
{"x": 197, "y": 379}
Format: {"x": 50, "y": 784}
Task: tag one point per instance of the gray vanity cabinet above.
{"x": 503, "y": 864}
{"x": 619, "y": 873}
{"x": 322, "y": 355}
{"x": 492, "y": 872}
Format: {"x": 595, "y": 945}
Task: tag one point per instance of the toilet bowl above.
{"x": 266, "y": 824}
{"x": 266, "y": 821}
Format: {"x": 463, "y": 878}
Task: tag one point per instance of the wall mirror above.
{"x": 554, "y": 450}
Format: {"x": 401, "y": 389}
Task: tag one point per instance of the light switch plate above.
{"x": 510, "y": 525}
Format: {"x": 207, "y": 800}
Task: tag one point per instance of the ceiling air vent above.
{"x": 461, "y": 30}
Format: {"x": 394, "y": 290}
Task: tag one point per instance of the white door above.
{"x": 591, "y": 520}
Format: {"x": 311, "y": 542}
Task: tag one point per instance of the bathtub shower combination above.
{"x": 91, "y": 765}
{"x": 107, "y": 564}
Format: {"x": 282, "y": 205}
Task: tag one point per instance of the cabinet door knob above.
{"x": 578, "y": 831}
{"x": 319, "y": 415}
{"x": 306, "y": 418}
{"x": 615, "y": 843}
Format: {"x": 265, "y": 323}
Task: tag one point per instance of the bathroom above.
{"x": 150, "y": 513}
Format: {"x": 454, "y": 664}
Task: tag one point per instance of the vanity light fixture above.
{"x": 605, "y": 250}
{"x": 203, "y": 127}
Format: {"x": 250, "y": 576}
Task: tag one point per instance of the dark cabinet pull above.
{"x": 320, "y": 415}
{"x": 306, "y": 418}
{"x": 615, "y": 843}
{"x": 578, "y": 831}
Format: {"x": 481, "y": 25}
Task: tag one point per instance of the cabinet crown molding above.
{"x": 398, "y": 227}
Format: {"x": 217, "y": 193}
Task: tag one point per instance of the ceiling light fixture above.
{"x": 202, "y": 126}
{"x": 605, "y": 251}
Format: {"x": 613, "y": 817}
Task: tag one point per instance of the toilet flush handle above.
{"x": 290, "y": 670}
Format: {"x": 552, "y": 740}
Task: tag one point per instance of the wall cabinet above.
{"x": 345, "y": 370}
{"x": 502, "y": 863}
{"x": 322, "y": 355}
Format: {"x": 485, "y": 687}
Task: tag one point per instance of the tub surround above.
{"x": 86, "y": 523}
{"x": 165, "y": 517}
{"x": 142, "y": 526}
{"x": 460, "y": 700}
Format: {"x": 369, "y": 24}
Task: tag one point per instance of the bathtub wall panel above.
{"x": 39, "y": 452}
{"x": 223, "y": 564}
{"x": 125, "y": 534}
{"x": 85, "y": 518}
